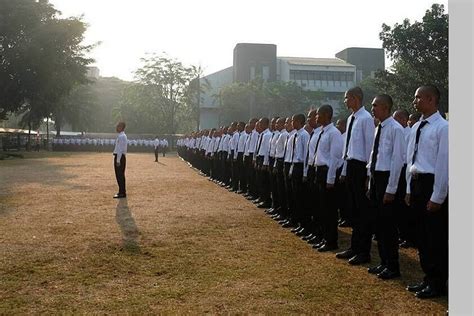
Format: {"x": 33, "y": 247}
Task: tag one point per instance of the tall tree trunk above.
{"x": 47, "y": 132}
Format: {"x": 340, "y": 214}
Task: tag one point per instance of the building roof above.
{"x": 308, "y": 61}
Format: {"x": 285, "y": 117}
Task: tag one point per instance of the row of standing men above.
{"x": 106, "y": 144}
{"x": 392, "y": 180}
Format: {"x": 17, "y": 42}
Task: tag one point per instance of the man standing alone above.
{"x": 120, "y": 151}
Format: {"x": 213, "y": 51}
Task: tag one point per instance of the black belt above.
{"x": 422, "y": 176}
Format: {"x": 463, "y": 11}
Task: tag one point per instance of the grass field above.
{"x": 178, "y": 244}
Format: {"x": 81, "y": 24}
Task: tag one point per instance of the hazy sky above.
{"x": 205, "y": 32}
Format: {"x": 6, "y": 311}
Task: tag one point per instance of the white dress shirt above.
{"x": 241, "y": 144}
{"x": 273, "y": 143}
{"x": 301, "y": 146}
{"x": 280, "y": 144}
{"x": 264, "y": 150}
{"x": 329, "y": 151}
{"x": 120, "y": 146}
{"x": 432, "y": 155}
{"x": 253, "y": 141}
{"x": 392, "y": 149}
{"x": 362, "y": 137}
{"x": 312, "y": 145}
{"x": 235, "y": 141}
{"x": 289, "y": 146}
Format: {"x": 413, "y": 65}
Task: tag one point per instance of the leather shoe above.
{"x": 315, "y": 240}
{"x": 319, "y": 244}
{"x": 263, "y": 205}
{"x": 120, "y": 196}
{"x": 407, "y": 244}
{"x": 387, "y": 274}
{"x": 376, "y": 269}
{"x": 302, "y": 232}
{"x": 344, "y": 224}
{"x": 294, "y": 230}
{"x": 307, "y": 237}
{"x": 359, "y": 259}
{"x": 346, "y": 254}
{"x": 428, "y": 292}
{"x": 287, "y": 224}
{"x": 416, "y": 287}
{"x": 327, "y": 247}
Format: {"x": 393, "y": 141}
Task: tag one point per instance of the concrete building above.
{"x": 330, "y": 76}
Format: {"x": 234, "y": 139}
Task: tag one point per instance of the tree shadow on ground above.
{"x": 127, "y": 226}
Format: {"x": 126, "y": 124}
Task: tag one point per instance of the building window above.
{"x": 266, "y": 73}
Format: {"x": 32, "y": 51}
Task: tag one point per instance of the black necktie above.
{"x": 317, "y": 145}
{"x": 349, "y": 136}
{"x": 417, "y": 139}
{"x": 309, "y": 142}
{"x": 293, "y": 152}
{"x": 375, "y": 150}
{"x": 259, "y": 143}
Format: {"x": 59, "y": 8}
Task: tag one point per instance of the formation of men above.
{"x": 386, "y": 177}
{"x": 107, "y": 144}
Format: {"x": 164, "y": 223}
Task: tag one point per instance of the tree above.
{"x": 420, "y": 54}
{"x": 160, "y": 100}
{"x": 41, "y": 57}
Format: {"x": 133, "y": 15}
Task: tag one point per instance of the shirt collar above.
{"x": 433, "y": 117}
{"x": 358, "y": 111}
{"x": 325, "y": 128}
{"x": 387, "y": 121}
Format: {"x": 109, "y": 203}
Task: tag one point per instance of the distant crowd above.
{"x": 107, "y": 144}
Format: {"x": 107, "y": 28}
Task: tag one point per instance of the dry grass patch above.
{"x": 178, "y": 244}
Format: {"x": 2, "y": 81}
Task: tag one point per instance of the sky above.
{"x": 205, "y": 32}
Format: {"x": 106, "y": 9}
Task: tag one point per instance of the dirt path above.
{"x": 177, "y": 244}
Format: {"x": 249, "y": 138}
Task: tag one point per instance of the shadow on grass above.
{"x": 127, "y": 226}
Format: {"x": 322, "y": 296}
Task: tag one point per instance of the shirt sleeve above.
{"x": 121, "y": 148}
{"x": 369, "y": 133}
{"x": 305, "y": 147}
{"x": 440, "y": 188}
{"x": 336, "y": 144}
{"x": 397, "y": 161}
{"x": 266, "y": 153}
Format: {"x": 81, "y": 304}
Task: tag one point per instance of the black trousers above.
{"x": 242, "y": 183}
{"x": 289, "y": 191}
{"x": 251, "y": 176}
{"x": 406, "y": 219}
{"x": 327, "y": 206}
{"x": 156, "y": 154}
{"x": 362, "y": 214}
{"x": 386, "y": 224}
{"x": 273, "y": 184}
{"x": 280, "y": 183}
{"x": 432, "y": 228}
{"x": 120, "y": 173}
{"x": 298, "y": 192}
{"x": 264, "y": 188}
{"x": 314, "y": 205}
{"x": 342, "y": 205}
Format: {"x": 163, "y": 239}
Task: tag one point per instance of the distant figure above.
{"x": 164, "y": 146}
{"x": 120, "y": 151}
{"x": 156, "y": 143}
{"x": 415, "y": 117}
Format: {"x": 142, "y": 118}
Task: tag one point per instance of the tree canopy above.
{"x": 420, "y": 56}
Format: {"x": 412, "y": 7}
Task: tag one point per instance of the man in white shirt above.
{"x": 290, "y": 204}
{"x": 385, "y": 165}
{"x": 279, "y": 198}
{"x": 341, "y": 187}
{"x": 156, "y": 144}
{"x": 406, "y": 219}
{"x": 239, "y": 154}
{"x": 120, "y": 161}
{"x": 276, "y": 129}
{"x": 357, "y": 148}
{"x": 249, "y": 158}
{"x": 297, "y": 169}
{"x": 427, "y": 191}
{"x": 262, "y": 162}
{"x": 327, "y": 161}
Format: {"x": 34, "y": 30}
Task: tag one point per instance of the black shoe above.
{"x": 239, "y": 191}
{"x": 346, "y": 254}
{"x": 359, "y": 259}
{"x": 327, "y": 247}
{"x": 344, "y": 224}
{"x": 407, "y": 244}
{"x": 387, "y": 274}
{"x": 294, "y": 230}
{"x": 314, "y": 240}
{"x": 270, "y": 210}
{"x": 287, "y": 224}
{"x": 416, "y": 287}
{"x": 319, "y": 244}
{"x": 307, "y": 237}
{"x": 376, "y": 269}
{"x": 428, "y": 292}
{"x": 302, "y": 232}
{"x": 263, "y": 205}
{"x": 120, "y": 196}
